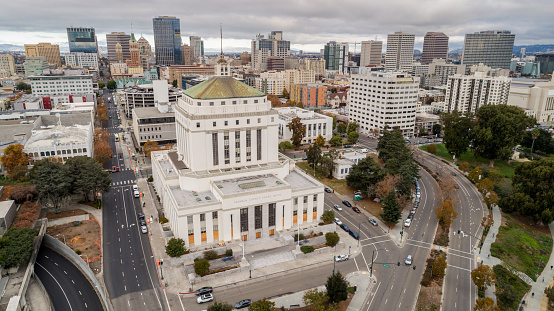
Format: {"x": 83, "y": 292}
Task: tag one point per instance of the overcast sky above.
{"x": 308, "y": 24}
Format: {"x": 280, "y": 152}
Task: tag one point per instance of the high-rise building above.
{"x": 187, "y": 54}
{"x": 50, "y": 51}
{"x": 274, "y": 45}
{"x": 375, "y": 107}
{"x": 467, "y": 93}
{"x": 371, "y": 53}
{"x": 317, "y": 65}
{"x": 134, "y": 60}
{"x": 492, "y": 48}
{"x": 275, "y": 63}
{"x": 35, "y": 65}
{"x": 439, "y": 71}
{"x": 118, "y": 53}
{"x": 435, "y": 45}
{"x": 400, "y": 51}
{"x": 112, "y": 39}
{"x": 198, "y": 45}
{"x": 82, "y": 39}
{"x": 336, "y": 57}
{"x": 7, "y": 65}
{"x": 80, "y": 59}
{"x": 167, "y": 40}
{"x": 144, "y": 46}
{"x": 546, "y": 61}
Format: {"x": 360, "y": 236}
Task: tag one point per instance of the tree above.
{"x": 334, "y": 90}
{"x": 328, "y": 162}
{"x": 534, "y": 135}
{"x": 111, "y": 85}
{"x": 275, "y": 102}
{"x": 174, "y": 83}
{"x": 485, "y": 304}
{"x": 150, "y": 146}
{"x": 422, "y": 132}
{"x": 201, "y": 267}
{"x": 23, "y": 193}
{"x": 262, "y": 305}
{"x": 289, "y": 103}
{"x": 175, "y": 247}
{"x": 285, "y": 94}
{"x": 27, "y": 215}
{"x": 13, "y": 157}
{"x": 544, "y": 142}
{"x": 446, "y": 213}
{"x": 334, "y": 122}
{"x": 485, "y": 186}
{"x": 313, "y": 154}
{"x": 432, "y": 149}
{"x": 220, "y": 306}
{"x": 483, "y": 276}
{"x": 328, "y": 216}
{"x": 20, "y": 174}
{"x": 102, "y": 151}
{"x": 464, "y": 166}
{"x": 491, "y": 199}
{"x": 102, "y": 113}
{"x": 300, "y": 105}
{"x": 456, "y": 132}
{"x": 495, "y": 175}
{"x": 298, "y": 131}
{"x": 87, "y": 176}
{"x": 285, "y": 145}
{"x": 437, "y": 128}
{"x": 352, "y": 127}
{"x": 487, "y": 221}
{"x": 336, "y": 140}
{"x": 391, "y": 211}
{"x": 387, "y": 184}
{"x": 497, "y": 130}
{"x": 475, "y": 175}
{"x": 331, "y": 239}
{"x": 16, "y": 246}
{"x": 22, "y": 86}
{"x": 341, "y": 128}
{"x": 315, "y": 299}
{"x": 53, "y": 183}
{"x": 320, "y": 141}
{"x": 353, "y": 137}
{"x": 365, "y": 175}
{"x": 336, "y": 287}
{"x": 439, "y": 265}
{"x": 101, "y": 84}
{"x": 447, "y": 186}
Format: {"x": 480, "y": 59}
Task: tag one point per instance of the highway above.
{"x": 67, "y": 287}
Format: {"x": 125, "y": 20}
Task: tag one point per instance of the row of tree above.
{"x": 102, "y": 149}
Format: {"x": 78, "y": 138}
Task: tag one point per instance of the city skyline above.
{"x": 308, "y": 28}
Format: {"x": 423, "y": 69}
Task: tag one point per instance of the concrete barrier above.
{"x": 81, "y": 265}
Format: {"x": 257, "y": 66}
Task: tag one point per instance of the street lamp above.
{"x": 88, "y": 262}
{"x": 480, "y": 239}
{"x": 372, "y": 260}
{"x": 63, "y": 238}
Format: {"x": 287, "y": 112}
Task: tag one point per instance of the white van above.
{"x": 136, "y": 193}
{"x": 135, "y": 188}
{"x": 364, "y": 150}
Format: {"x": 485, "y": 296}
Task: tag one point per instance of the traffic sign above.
{"x": 386, "y": 266}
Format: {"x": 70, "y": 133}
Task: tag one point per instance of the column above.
{"x": 196, "y": 226}
{"x": 209, "y": 228}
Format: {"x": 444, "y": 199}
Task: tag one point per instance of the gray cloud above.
{"x": 304, "y": 22}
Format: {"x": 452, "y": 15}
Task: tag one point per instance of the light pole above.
{"x": 471, "y": 235}
{"x": 63, "y": 238}
{"x": 372, "y": 260}
{"x": 334, "y": 261}
{"x": 87, "y": 259}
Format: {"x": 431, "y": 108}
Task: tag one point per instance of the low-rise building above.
{"x": 61, "y": 82}
{"x": 316, "y": 124}
{"x": 425, "y": 122}
{"x": 338, "y": 99}
{"x": 8, "y": 209}
{"x": 141, "y": 96}
{"x": 343, "y": 165}
{"x": 312, "y": 96}
{"x": 535, "y": 95}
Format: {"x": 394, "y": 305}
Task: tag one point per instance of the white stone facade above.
{"x": 537, "y": 98}
{"x": 316, "y": 124}
{"x": 400, "y": 52}
{"x": 467, "y": 93}
{"x": 79, "y": 59}
{"x": 61, "y": 84}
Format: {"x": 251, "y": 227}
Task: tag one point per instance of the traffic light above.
{"x": 459, "y": 231}
{"x": 413, "y": 267}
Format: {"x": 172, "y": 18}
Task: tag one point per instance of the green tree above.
{"x": 298, "y": 131}
{"x": 101, "y": 84}
{"x": 327, "y": 162}
{"x": 483, "y": 276}
{"x": 475, "y": 175}
{"x": 336, "y": 140}
{"x": 439, "y": 266}
{"x": 341, "y": 128}
{"x": 352, "y": 127}
{"x": 391, "y": 211}
{"x": 16, "y": 246}
{"x": 328, "y": 216}
{"x": 87, "y": 176}
{"x": 353, "y": 137}
{"x": 174, "y": 83}
{"x": 175, "y": 247}
{"x": 220, "y": 306}
{"x": 22, "y": 86}
{"x": 334, "y": 122}
{"x": 285, "y": 94}
{"x": 331, "y": 239}
{"x": 262, "y": 305}
{"x": 543, "y": 142}
{"x": 494, "y": 175}
{"x": 320, "y": 141}
{"x": 111, "y": 85}
{"x": 497, "y": 130}
{"x": 456, "y": 132}
{"x": 316, "y": 299}
{"x": 437, "y": 128}
{"x": 201, "y": 267}
{"x": 365, "y": 175}
{"x": 336, "y": 287}
{"x": 314, "y": 155}
{"x": 285, "y": 145}
{"x": 53, "y": 183}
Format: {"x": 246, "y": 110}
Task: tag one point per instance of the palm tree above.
{"x": 534, "y": 134}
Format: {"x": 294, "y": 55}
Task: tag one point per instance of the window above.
{"x": 255, "y": 101}
{"x": 189, "y": 219}
{"x": 247, "y": 121}
{"x": 259, "y": 146}
{"x": 214, "y": 124}
{"x": 237, "y": 147}
{"x": 234, "y": 102}
{"x": 245, "y": 102}
{"x": 215, "y": 146}
{"x": 272, "y": 210}
{"x": 237, "y": 122}
{"x": 258, "y": 217}
{"x": 202, "y": 217}
{"x": 211, "y": 103}
{"x": 272, "y": 119}
{"x": 197, "y": 124}
{"x": 259, "y": 120}
{"x": 226, "y": 148}
{"x": 244, "y": 219}
{"x": 226, "y": 123}
{"x": 295, "y": 201}
{"x": 214, "y": 215}
{"x": 315, "y": 197}
{"x": 222, "y": 103}
{"x": 198, "y": 103}
{"x": 248, "y": 145}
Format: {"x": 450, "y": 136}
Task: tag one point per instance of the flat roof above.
{"x": 151, "y": 112}
{"x": 298, "y": 181}
{"x": 186, "y": 198}
{"x": 5, "y": 207}
{"x": 249, "y": 183}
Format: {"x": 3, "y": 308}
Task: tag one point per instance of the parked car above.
{"x": 142, "y": 221}
{"x": 340, "y": 258}
{"x": 456, "y": 186}
{"x": 205, "y": 298}
{"x": 355, "y": 209}
{"x": 337, "y": 207}
{"x": 411, "y": 216}
{"x": 327, "y": 190}
{"x": 354, "y": 234}
{"x": 373, "y": 221}
{"x": 346, "y": 203}
{"x": 143, "y": 229}
{"x": 358, "y": 192}
{"x": 408, "y": 260}
{"x": 407, "y": 222}
{"x": 453, "y": 174}
{"x": 243, "y": 303}
{"x": 140, "y": 215}
{"x": 338, "y": 222}
{"x": 347, "y": 146}
{"x": 136, "y": 194}
{"x": 204, "y": 291}
{"x": 344, "y": 227}
{"x": 135, "y": 188}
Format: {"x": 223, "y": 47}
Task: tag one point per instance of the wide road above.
{"x": 67, "y": 287}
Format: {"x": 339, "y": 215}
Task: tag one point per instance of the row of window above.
{"x": 58, "y": 152}
{"x": 223, "y": 102}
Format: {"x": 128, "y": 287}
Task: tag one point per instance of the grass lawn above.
{"x": 505, "y": 168}
{"x": 510, "y": 289}
{"x": 522, "y": 247}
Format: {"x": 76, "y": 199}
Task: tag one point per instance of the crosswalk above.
{"x": 123, "y": 183}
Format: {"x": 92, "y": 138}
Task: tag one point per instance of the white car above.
{"x": 136, "y": 194}
{"x": 143, "y": 229}
{"x": 135, "y": 188}
{"x": 205, "y": 298}
{"x": 340, "y": 258}
{"x": 338, "y": 222}
{"x": 408, "y": 260}
{"x": 337, "y": 207}
{"x": 407, "y": 222}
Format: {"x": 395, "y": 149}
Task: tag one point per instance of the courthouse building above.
{"x": 226, "y": 180}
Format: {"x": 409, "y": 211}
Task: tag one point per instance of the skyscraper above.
{"x": 400, "y": 51}
{"x": 134, "y": 61}
{"x": 198, "y": 45}
{"x": 336, "y": 56}
{"x": 82, "y": 39}
{"x": 435, "y": 45}
{"x": 50, "y": 51}
{"x": 492, "y": 48}
{"x": 167, "y": 40}
{"x": 274, "y": 45}
{"x": 187, "y": 54}
{"x": 371, "y": 53}
{"x": 123, "y": 39}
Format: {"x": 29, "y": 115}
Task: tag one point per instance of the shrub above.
{"x": 210, "y": 255}
{"x": 23, "y": 193}
{"x": 78, "y": 251}
{"x": 150, "y": 179}
{"x": 229, "y": 252}
{"x": 432, "y": 148}
{"x": 302, "y": 237}
{"x": 163, "y": 220}
{"x": 464, "y": 166}
{"x": 307, "y": 249}
{"x": 201, "y": 267}
{"x": 27, "y": 215}
{"x": 175, "y": 247}
{"x": 331, "y": 239}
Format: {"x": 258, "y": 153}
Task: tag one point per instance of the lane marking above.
{"x": 63, "y": 291}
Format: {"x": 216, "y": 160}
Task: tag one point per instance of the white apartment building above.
{"x": 118, "y": 68}
{"x": 61, "y": 82}
{"x": 7, "y": 65}
{"x": 79, "y": 59}
{"x": 371, "y": 53}
{"x": 442, "y": 70}
{"x": 400, "y": 51}
{"x": 227, "y": 181}
{"x": 467, "y": 93}
{"x": 273, "y": 82}
{"x": 535, "y": 96}
{"x": 316, "y": 65}
{"x": 316, "y": 124}
{"x": 380, "y": 99}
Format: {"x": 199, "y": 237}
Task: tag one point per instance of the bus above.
{"x": 116, "y": 137}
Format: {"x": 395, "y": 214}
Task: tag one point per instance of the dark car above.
{"x": 243, "y": 303}
{"x": 453, "y": 174}
{"x": 355, "y": 209}
{"x": 120, "y": 155}
{"x": 327, "y": 190}
{"x": 347, "y": 146}
{"x": 203, "y": 291}
{"x": 140, "y": 215}
{"x": 411, "y": 216}
{"x": 346, "y": 203}
{"x": 354, "y": 234}
{"x": 142, "y": 222}
{"x": 345, "y": 227}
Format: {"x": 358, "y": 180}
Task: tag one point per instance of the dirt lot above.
{"x": 68, "y": 213}
{"x": 83, "y": 236}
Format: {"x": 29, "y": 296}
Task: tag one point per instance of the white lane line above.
{"x": 356, "y": 264}
{"x": 375, "y": 237}
{"x": 69, "y": 303}
{"x": 377, "y": 289}
{"x": 451, "y": 266}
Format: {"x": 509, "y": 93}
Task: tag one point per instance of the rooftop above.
{"x": 186, "y": 198}
{"x": 77, "y": 134}
{"x": 151, "y": 112}
{"x": 222, "y": 87}
{"x": 4, "y": 207}
{"x": 249, "y": 183}
{"x": 299, "y": 181}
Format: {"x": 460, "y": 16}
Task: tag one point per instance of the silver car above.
{"x": 408, "y": 260}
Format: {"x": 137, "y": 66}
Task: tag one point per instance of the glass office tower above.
{"x": 167, "y": 40}
{"x": 492, "y": 48}
{"x": 82, "y": 39}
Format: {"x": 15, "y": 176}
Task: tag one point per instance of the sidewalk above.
{"x": 484, "y": 257}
